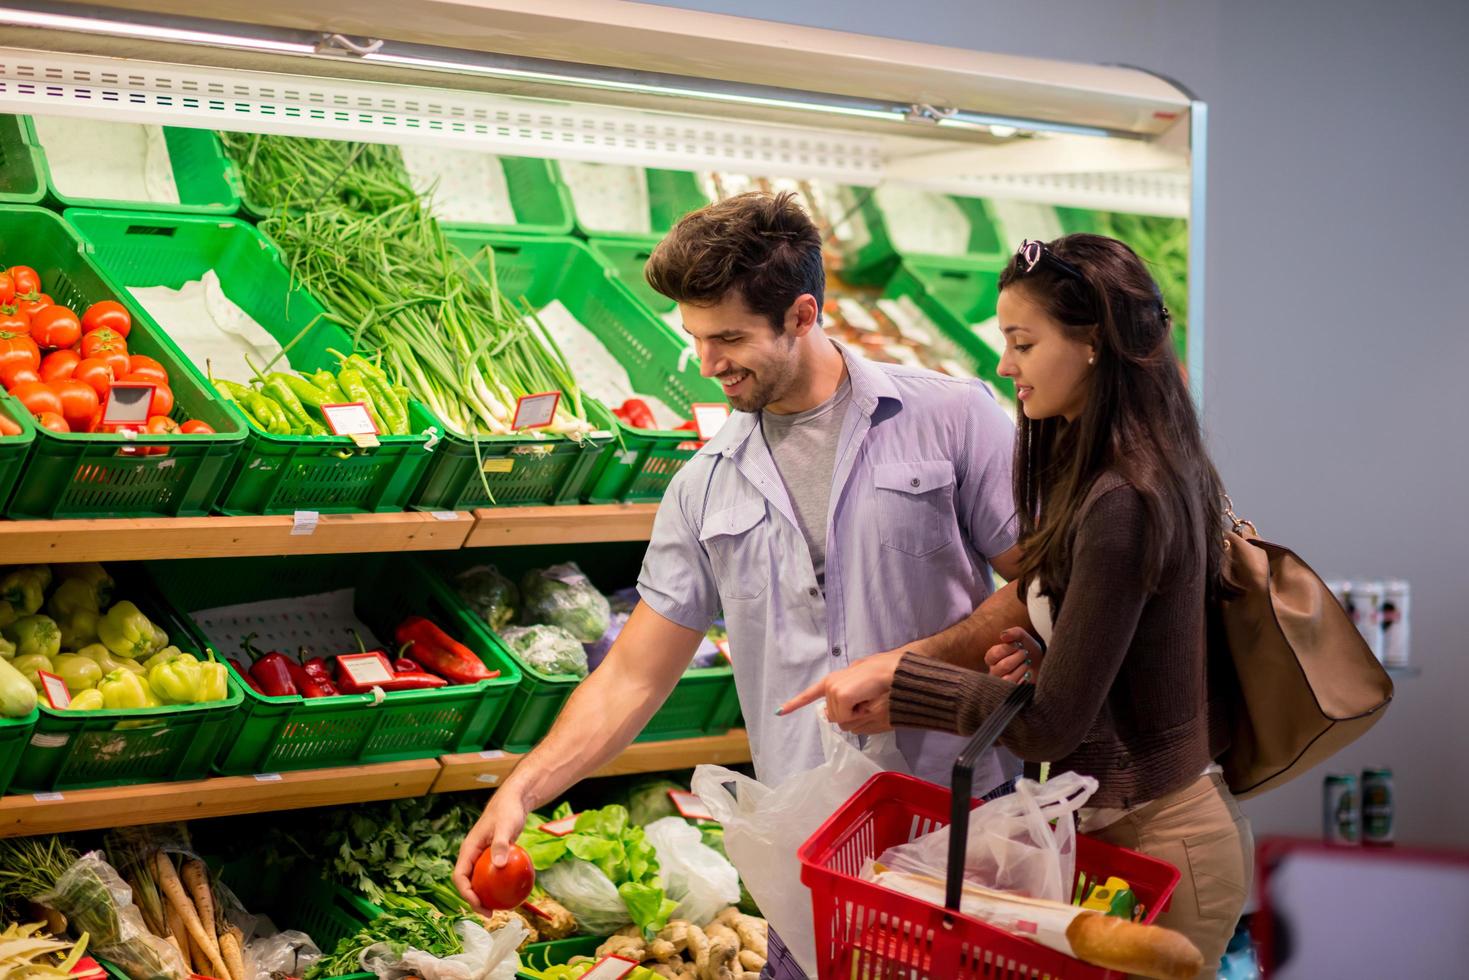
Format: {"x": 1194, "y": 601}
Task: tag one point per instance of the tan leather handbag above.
{"x": 1308, "y": 685}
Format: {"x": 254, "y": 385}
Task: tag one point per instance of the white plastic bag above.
{"x": 486, "y": 956}
{"x": 95, "y": 900}
{"x": 587, "y": 894}
{"x": 765, "y": 826}
{"x": 289, "y": 953}
{"x": 1012, "y": 847}
{"x": 694, "y": 875}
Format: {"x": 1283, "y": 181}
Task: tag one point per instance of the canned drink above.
{"x": 1341, "y": 816}
{"x": 1394, "y": 617}
{"x": 1365, "y": 605}
{"x": 1377, "y": 807}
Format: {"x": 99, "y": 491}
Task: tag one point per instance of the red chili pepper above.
{"x": 406, "y": 665}
{"x": 319, "y": 668}
{"x": 638, "y": 415}
{"x": 245, "y": 675}
{"x": 309, "y": 686}
{"x": 441, "y": 653}
{"x": 271, "y": 671}
{"x": 689, "y": 426}
{"x": 406, "y": 681}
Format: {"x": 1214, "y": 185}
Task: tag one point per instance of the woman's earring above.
{"x": 1092, "y": 359}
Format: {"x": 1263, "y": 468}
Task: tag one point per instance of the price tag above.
{"x": 55, "y": 690}
{"x": 48, "y": 797}
{"x": 354, "y": 420}
{"x": 536, "y": 411}
{"x": 562, "y": 827}
{"x": 535, "y": 911}
{"x": 304, "y": 522}
{"x": 128, "y": 403}
{"x": 489, "y": 755}
{"x": 689, "y": 805}
{"x": 488, "y": 778}
{"x": 498, "y": 465}
{"x": 267, "y": 777}
{"x": 709, "y": 418}
{"x": 610, "y": 968}
{"x": 445, "y": 515}
{"x": 366, "y": 669}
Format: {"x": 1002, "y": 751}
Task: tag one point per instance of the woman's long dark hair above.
{"x": 1138, "y": 420}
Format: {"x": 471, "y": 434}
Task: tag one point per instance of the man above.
{"x": 844, "y": 509}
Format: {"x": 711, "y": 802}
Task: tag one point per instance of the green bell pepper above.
{"x": 25, "y": 588}
{"x": 79, "y": 628}
{"x": 213, "y": 682}
{"x": 124, "y": 689}
{"x": 74, "y": 595}
{"x": 7, "y": 649}
{"x": 80, "y": 673}
{"x": 126, "y": 631}
{"x": 176, "y": 681}
{"x": 102, "y": 657}
{"x": 30, "y": 666}
{"x": 34, "y": 634}
{"x": 88, "y": 701}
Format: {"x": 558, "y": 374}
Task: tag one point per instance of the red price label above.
{"x": 709, "y": 418}
{"x": 610, "y": 968}
{"x": 562, "y": 827}
{"x": 128, "y": 403}
{"x": 689, "y": 805}
{"x": 366, "y": 669}
{"x": 55, "y": 690}
{"x": 536, "y": 411}
{"x": 535, "y": 910}
{"x": 350, "y": 419}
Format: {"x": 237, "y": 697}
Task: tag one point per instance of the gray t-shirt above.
{"x": 804, "y": 445}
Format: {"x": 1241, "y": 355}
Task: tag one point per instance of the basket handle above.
{"x": 963, "y": 786}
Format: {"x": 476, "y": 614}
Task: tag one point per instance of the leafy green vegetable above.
{"x": 406, "y": 847}
{"x": 648, "y": 801}
{"x": 404, "y": 924}
{"x": 563, "y": 596}
{"x": 490, "y": 594}
{"x": 548, "y": 649}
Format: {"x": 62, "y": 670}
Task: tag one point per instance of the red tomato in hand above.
{"x": 102, "y": 341}
{"x": 27, "y": 282}
{"x": 110, "y": 315}
{"x": 146, "y": 369}
{"x": 194, "y": 427}
{"x": 59, "y": 365}
{"x": 507, "y": 887}
{"x": 52, "y": 421}
{"x": 38, "y": 397}
{"x": 7, "y": 291}
{"x": 95, "y": 372}
{"x": 55, "y": 327}
{"x": 30, "y": 307}
{"x": 78, "y": 402}
{"x": 17, "y": 372}
{"x": 19, "y": 350}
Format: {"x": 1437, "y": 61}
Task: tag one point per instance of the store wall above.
{"x": 1337, "y": 354}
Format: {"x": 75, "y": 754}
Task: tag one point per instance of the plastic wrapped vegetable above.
{"x": 490, "y": 594}
{"x": 549, "y": 649}
{"x": 95, "y": 899}
{"x": 563, "y": 596}
{"x": 649, "y": 801}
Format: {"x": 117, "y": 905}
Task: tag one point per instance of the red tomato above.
{"x": 7, "y": 291}
{"x": 52, "y": 421}
{"x": 27, "y": 282}
{"x": 108, "y": 314}
{"x": 55, "y": 327}
{"x": 507, "y": 887}
{"x": 19, "y": 350}
{"x": 59, "y": 364}
{"x": 30, "y": 307}
{"x": 78, "y": 402}
{"x": 38, "y": 397}
{"x": 14, "y": 325}
{"x": 162, "y": 425}
{"x": 16, "y": 373}
{"x": 162, "y": 401}
{"x": 118, "y": 360}
{"x": 7, "y": 425}
{"x": 101, "y": 341}
{"x": 194, "y": 427}
{"x": 96, "y": 372}
{"x": 146, "y": 372}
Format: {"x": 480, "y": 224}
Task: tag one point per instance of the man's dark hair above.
{"x": 764, "y": 246}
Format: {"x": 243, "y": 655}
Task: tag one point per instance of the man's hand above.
{"x": 496, "y": 829}
{"x": 1016, "y": 658}
{"x": 856, "y": 697}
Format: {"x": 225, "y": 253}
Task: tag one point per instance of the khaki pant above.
{"x": 1199, "y": 830}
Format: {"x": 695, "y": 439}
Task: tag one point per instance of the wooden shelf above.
{"x": 485, "y": 770}
{"x": 123, "y": 806}
{"x": 561, "y": 525}
{"x": 123, "y": 539}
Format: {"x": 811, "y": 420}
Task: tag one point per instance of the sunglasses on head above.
{"x": 1032, "y": 253}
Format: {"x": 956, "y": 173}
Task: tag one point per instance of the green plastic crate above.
{"x": 15, "y": 734}
{"x": 88, "y": 475}
{"x": 955, "y": 296}
{"x": 703, "y": 703}
{"x": 206, "y": 179}
{"x": 80, "y": 749}
{"x": 872, "y": 260}
{"x": 538, "y": 957}
{"x": 671, "y": 195}
{"x": 563, "y": 269}
{"x": 13, "y": 449}
{"x": 21, "y": 180}
{"x": 274, "y": 474}
{"x": 627, "y": 261}
{"x": 271, "y": 734}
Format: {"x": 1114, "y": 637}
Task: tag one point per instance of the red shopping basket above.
{"x": 866, "y": 932}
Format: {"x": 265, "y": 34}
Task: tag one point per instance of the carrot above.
{"x": 173, "y": 891}
{"x": 229, "y": 947}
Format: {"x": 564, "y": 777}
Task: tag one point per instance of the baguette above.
{"x": 1148, "y": 951}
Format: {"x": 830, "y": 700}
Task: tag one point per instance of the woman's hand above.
{"x": 1017, "y": 658}
{"x": 856, "y": 697}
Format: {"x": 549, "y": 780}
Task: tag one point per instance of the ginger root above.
{"x": 627, "y": 947}
{"x": 556, "y": 923}
{"x": 753, "y": 933}
{"x": 677, "y": 933}
{"x": 752, "y": 961}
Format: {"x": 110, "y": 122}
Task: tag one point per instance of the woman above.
{"x": 1119, "y": 511}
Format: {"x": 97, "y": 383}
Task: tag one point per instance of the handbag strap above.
{"x": 1236, "y": 523}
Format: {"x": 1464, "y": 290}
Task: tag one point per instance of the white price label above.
{"x": 709, "y": 418}
{"x": 350, "y": 419}
{"x": 49, "y": 797}
{"x": 610, "y": 968}
{"x": 489, "y": 755}
{"x": 55, "y": 690}
{"x": 267, "y": 777}
{"x": 488, "y": 778}
{"x": 304, "y": 522}
{"x": 445, "y": 515}
{"x": 536, "y": 411}
{"x": 689, "y": 805}
{"x": 562, "y": 827}
{"x": 366, "y": 669}
{"x": 128, "y": 403}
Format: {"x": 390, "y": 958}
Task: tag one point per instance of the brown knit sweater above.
{"x": 1122, "y": 693}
